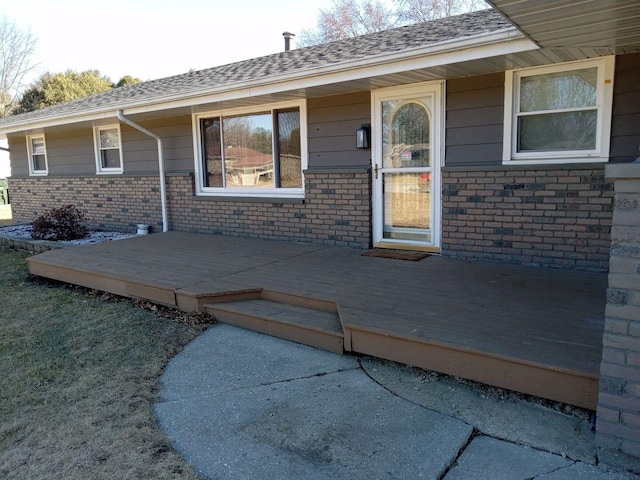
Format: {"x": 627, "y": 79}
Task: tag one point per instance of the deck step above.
{"x": 309, "y": 326}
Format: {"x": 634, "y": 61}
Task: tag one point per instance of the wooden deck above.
{"x": 537, "y": 331}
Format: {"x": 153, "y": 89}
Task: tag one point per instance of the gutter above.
{"x": 468, "y": 48}
{"x": 163, "y": 189}
{"x": 492, "y": 4}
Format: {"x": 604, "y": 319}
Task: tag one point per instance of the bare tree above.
{"x": 17, "y": 48}
{"x": 346, "y": 19}
{"x": 350, "y": 18}
{"x": 414, "y": 11}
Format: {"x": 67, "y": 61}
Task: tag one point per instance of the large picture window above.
{"x": 559, "y": 113}
{"x": 251, "y": 153}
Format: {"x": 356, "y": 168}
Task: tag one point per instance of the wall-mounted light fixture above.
{"x": 363, "y": 136}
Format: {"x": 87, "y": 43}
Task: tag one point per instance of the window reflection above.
{"x": 239, "y": 151}
{"x": 406, "y": 142}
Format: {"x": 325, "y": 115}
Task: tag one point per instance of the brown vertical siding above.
{"x": 18, "y": 156}
{"x": 625, "y": 122}
{"x": 333, "y": 122}
{"x": 474, "y": 120}
{"x": 72, "y": 152}
{"x": 140, "y": 151}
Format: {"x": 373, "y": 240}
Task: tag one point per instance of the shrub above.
{"x": 64, "y": 223}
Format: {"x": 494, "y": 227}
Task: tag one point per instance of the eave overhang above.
{"x": 598, "y": 24}
{"x": 342, "y": 77}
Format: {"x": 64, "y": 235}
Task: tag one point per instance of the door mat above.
{"x": 396, "y": 254}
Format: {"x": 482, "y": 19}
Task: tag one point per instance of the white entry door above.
{"x": 406, "y": 149}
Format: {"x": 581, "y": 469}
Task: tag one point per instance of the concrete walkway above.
{"x": 242, "y": 405}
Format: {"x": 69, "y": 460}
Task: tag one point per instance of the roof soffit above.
{"x": 607, "y": 24}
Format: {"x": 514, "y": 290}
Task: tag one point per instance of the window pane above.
{"x": 110, "y": 158}
{"x": 558, "y": 131}
{"x": 407, "y": 207}
{"x": 289, "y": 148}
{"x": 248, "y": 150}
{"x": 405, "y": 134}
{"x": 561, "y": 90}
{"x": 39, "y": 164}
{"x": 211, "y": 150}
{"x": 109, "y": 138}
{"x": 37, "y": 146}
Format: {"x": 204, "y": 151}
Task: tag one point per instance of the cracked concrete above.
{"x": 485, "y": 457}
{"x": 507, "y": 417}
{"x": 241, "y": 405}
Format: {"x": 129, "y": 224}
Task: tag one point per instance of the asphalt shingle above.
{"x": 402, "y": 39}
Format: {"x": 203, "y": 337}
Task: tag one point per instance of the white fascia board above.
{"x": 497, "y": 43}
{"x": 502, "y": 42}
{"x": 400, "y": 66}
{"x": 36, "y": 126}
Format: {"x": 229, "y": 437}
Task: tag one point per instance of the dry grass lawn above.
{"x": 6, "y": 217}
{"x": 79, "y": 377}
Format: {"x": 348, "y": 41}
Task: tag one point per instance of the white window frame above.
{"x": 201, "y": 190}
{"x": 96, "y": 140}
{"x": 32, "y": 170}
{"x": 604, "y": 100}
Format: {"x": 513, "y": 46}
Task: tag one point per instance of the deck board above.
{"x": 539, "y": 316}
{"x": 288, "y": 313}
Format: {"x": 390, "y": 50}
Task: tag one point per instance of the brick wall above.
{"x": 109, "y": 203}
{"x": 618, "y": 414}
{"x": 557, "y": 217}
{"x": 553, "y": 216}
{"x": 336, "y": 210}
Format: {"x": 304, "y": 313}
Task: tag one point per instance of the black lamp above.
{"x": 362, "y": 136}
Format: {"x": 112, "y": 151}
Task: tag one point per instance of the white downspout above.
{"x": 163, "y": 189}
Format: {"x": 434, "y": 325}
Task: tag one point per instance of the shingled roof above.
{"x": 266, "y": 68}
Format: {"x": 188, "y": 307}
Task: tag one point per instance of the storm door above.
{"x": 406, "y": 167}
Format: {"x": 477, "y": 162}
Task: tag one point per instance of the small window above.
{"x": 559, "y": 113}
{"x": 251, "y": 153}
{"x": 37, "y": 155}
{"x": 108, "y": 149}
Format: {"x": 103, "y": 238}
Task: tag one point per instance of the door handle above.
{"x": 375, "y": 169}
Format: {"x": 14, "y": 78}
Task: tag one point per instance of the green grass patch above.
{"x": 79, "y": 378}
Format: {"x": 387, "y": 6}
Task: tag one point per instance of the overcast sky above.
{"x": 157, "y": 38}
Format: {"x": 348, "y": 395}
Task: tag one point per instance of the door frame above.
{"x": 413, "y": 91}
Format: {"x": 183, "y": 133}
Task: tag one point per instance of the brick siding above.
{"x": 618, "y": 414}
{"x": 558, "y": 217}
{"x": 336, "y": 210}
{"x": 109, "y": 203}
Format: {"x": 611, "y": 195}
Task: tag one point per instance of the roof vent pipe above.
{"x": 163, "y": 189}
{"x": 287, "y": 40}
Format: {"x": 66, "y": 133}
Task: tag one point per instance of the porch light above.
{"x": 362, "y": 136}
